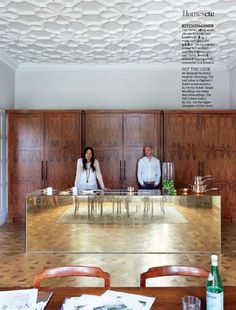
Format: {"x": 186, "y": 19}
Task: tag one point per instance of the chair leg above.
{"x": 101, "y": 208}
{"x": 127, "y": 208}
{"x": 89, "y": 206}
{"x": 118, "y": 207}
{"x": 76, "y": 206}
{"x": 162, "y": 205}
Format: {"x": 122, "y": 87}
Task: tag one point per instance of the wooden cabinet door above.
{"x": 103, "y": 132}
{"x": 182, "y": 145}
{"x": 43, "y": 150}
{"x": 203, "y": 144}
{"x": 140, "y": 129}
{"x": 62, "y": 148}
{"x": 26, "y": 152}
{"x": 218, "y": 150}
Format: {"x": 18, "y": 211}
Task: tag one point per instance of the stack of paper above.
{"x": 109, "y": 300}
{"x": 18, "y": 299}
{"x": 24, "y": 299}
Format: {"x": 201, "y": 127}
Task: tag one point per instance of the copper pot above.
{"x": 199, "y": 188}
{"x": 185, "y": 190}
{"x": 199, "y": 182}
{"x": 202, "y": 178}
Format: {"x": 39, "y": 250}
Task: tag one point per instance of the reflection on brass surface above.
{"x": 116, "y": 222}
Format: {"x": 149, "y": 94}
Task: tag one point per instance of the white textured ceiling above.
{"x": 109, "y": 31}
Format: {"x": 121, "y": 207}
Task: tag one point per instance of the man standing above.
{"x": 149, "y": 171}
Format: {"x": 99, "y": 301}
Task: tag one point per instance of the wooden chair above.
{"x": 66, "y": 271}
{"x": 172, "y": 270}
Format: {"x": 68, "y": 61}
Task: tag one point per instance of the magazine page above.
{"x": 132, "y": 301}
{"x": 109, "y": 300}
{"x": 76, "y": 303}
{"x": 18, "y": 299}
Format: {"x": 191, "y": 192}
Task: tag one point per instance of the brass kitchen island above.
{"x": 122, "y": 222}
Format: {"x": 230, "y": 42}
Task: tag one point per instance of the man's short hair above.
{"x": 148, "y": 145}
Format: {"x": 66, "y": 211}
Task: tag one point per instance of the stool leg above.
{"x": 127, "y": 207}
{"x": 89, "y": 206}
{"x": 76, "y": 206}
{"x": 101, "y": 205}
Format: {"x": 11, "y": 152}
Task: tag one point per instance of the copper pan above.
{"x": 201, "y": 189}
{"x": 197, "y": 188}
{"x": 203, "y": 182}
{"x": 202, "y": 178}
{"x": 185, "y": 190}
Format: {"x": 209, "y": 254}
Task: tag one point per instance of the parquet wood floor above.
{"x": 188, "y": 235}
{"x": 18, "y": 268}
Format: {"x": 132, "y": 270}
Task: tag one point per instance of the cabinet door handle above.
{"x": 124, "y": 170}
{"x": 120, "y": 170}
{"x": 46, "y": 174}
{"x": 42, "y": 170}
{"x": 198, "y": 169}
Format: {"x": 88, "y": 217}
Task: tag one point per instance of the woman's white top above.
{"x": 86, "y": 179}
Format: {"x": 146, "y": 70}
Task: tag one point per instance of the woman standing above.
{"x": 88, "y": 171}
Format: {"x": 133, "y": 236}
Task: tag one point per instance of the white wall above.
{"x": 3, "y": 169}
{"x": 7, "y": 86}
{"x": 108, "y": 87}
{"x": 233, "y": 88}
{"x": 7, "y": 95}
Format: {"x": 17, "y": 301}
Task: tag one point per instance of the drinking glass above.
{"x": 168, "y": 187}
{"x": 168, "y": 170}
{"x": 191, "y": 303}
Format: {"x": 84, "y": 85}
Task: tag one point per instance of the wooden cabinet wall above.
{"x": 139, "y": 129}
{"x": 118, "y": 140}
{"x": 43, "y": 149}
{"x": 103, "y": 132}
{"x": 62, "y": 148}
{"x": 203, "y": 143}
{"x": 26, "y": 153}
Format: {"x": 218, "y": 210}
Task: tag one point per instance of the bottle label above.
{"x": 214, "y": 301}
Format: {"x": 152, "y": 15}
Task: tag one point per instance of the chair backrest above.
{"x": 173, "y": 270}
{"x": 67, "y": 271}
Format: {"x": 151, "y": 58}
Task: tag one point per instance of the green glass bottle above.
{"x": 214, "y": 287}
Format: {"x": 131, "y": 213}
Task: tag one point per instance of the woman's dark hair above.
{"x": 92, "y": 158}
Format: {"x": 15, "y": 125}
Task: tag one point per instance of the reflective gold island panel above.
{"x": 122, "y": 222}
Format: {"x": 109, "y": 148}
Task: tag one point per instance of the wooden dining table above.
{"x": 168, "y": 298}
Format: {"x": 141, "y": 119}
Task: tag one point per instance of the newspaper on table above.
{"x": 76, "y": 303}
{"x": 18, "y": 299}
{"x": 24, "y": 299}
{"x": 110, "y": 300}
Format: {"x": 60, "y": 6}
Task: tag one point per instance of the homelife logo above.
{"x": 199, "y": 13}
